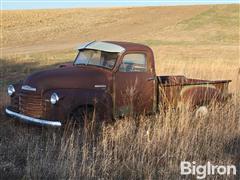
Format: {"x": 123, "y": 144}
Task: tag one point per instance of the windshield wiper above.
{"x": 80, "y": 64}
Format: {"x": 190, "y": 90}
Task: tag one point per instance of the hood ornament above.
{"x": 28, "y": 88}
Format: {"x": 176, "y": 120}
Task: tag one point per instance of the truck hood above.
{"x": 68, "y": 77}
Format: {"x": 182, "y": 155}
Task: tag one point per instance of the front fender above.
{"x": 71, "y": 99}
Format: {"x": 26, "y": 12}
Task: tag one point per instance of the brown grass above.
{"x": 145, "y": 148}
{"x": 196, "y": 41}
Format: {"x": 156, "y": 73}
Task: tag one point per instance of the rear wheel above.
{"x": 201, "y": 111}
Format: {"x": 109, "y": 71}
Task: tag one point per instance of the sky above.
{"x": 53, "y": 4}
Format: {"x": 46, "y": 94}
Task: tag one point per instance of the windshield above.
{"x": 97, "y": 58}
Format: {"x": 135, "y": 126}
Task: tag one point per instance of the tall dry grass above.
{"x": 143, "y": 148}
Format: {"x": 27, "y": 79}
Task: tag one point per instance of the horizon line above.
{"x": 10, "y": 6}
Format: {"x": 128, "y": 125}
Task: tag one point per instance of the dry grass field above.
{"x": 196, "y": 41}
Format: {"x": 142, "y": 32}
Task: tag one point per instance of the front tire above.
{"x": 82, "y": 116}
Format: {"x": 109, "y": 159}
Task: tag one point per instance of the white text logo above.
{"x": 202, "y": 171}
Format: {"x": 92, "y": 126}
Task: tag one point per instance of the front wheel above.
{"x": 82, "y": 116}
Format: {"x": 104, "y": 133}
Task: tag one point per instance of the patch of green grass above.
{"x": 223, "y": 37}
{"x": 217, "y": 15}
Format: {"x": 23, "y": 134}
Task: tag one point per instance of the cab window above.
{"x": 134, "y": 62}
{"x": 96, "y": 58}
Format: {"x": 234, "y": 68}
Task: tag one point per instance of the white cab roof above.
{"x": 102, "y": 46}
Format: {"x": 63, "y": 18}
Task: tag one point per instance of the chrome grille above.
{"x": 31, "y": 105}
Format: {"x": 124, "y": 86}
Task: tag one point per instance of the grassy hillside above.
{"x": 196, "y": 41}
{"x": 161, "y": 25}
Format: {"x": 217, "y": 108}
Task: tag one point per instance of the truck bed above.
{"x": 183, "y": 81}
{"x": 175, "y": 89}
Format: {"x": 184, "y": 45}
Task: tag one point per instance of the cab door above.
{"x": 134, "y": 85}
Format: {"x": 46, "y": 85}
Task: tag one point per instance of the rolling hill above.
{"x": 42, "y": 30}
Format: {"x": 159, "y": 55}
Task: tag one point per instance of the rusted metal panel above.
{"x": 31, "y": 104}
{"x": 134, "y": 92}
{"x": 111, "y": 91}
{"x": 176, "y": 90}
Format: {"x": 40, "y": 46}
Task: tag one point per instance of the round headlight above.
{"x": 54, "y": 98}
{"x": 10, "y": 90}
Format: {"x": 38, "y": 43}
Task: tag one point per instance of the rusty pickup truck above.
{"x": 111, "y": 79}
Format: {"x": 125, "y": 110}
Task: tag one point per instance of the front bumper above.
{"x": 32, "y": 120}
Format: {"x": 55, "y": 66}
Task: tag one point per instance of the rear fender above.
{"x": 200, "y": 95}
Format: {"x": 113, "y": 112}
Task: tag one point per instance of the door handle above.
{"x": 150, "y": 79}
